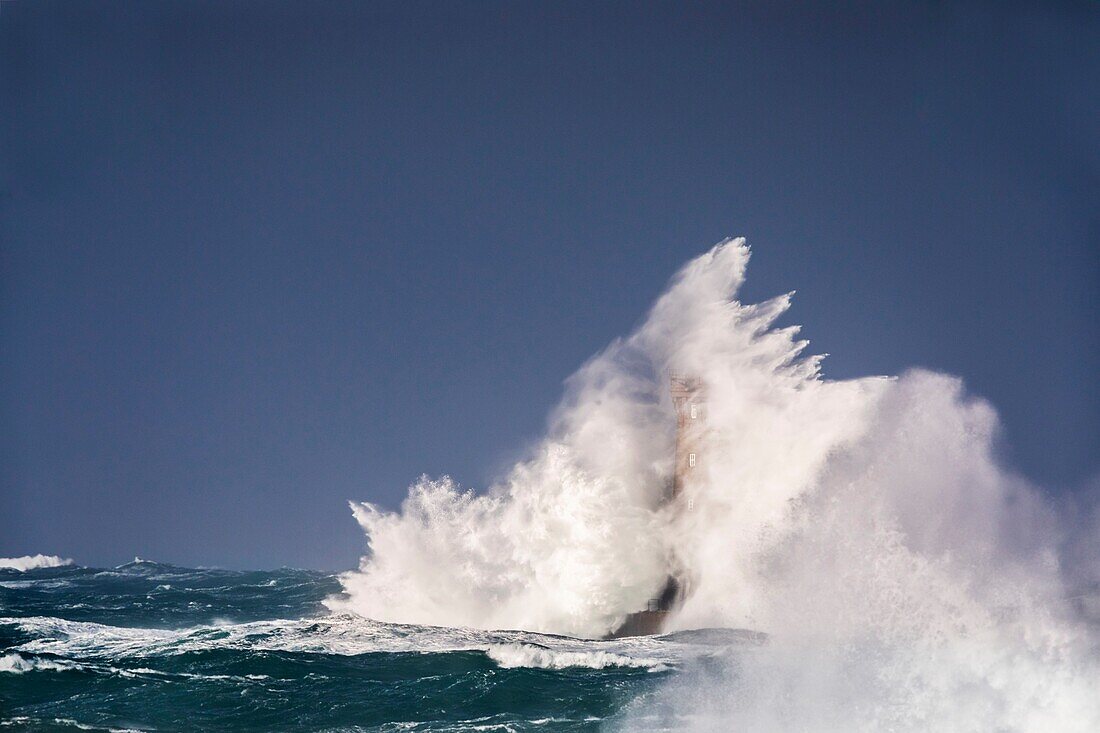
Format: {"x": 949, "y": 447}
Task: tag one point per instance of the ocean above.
{"x": 150, "y": 646}
{"x": 906, "y": 578}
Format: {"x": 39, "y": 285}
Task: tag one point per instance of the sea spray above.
{"x": 913, "y": 586}
{"x": 907, "y": 580}
{"x": 577, "y": 536}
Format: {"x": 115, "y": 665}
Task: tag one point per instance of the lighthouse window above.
{"x": 691, "y": 460}
{"x": 691, "y": 504}
{"x": 694, "y": 411}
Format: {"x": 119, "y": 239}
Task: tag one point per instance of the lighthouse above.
{"x": 688, "y": 402}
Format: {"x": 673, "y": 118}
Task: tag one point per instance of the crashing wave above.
{"x": 530, "y": 655}
{"x": 33, "y": 562}
{"x": 17, "y": 664}
{"x": 905, "y": 578}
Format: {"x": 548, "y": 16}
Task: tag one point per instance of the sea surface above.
{"x": 149, "y": 646}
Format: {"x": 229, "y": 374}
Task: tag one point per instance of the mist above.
{"x": 905, "y": 578}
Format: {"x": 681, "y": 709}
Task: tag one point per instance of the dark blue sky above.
{"x": 261, "y": 258}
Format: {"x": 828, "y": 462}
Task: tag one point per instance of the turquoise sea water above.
{"x": 148, "y": 646}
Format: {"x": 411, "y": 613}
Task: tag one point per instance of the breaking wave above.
{"x": 530, "y": 655}
{"x": 18, "y": 664}
{"x": 60, "y": 644}
{"x": 906, "y": 580}
{"x": 33, "y": 562}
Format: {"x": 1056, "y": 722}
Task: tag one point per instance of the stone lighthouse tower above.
{"x": 688, "y": 402}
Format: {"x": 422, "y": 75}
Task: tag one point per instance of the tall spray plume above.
{"x": 906, "y": 581}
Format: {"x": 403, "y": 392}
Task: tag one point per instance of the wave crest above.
{"x": 528, "y": 655}
{"x": 904, "y": 577}
{"x": 33, "y": 562}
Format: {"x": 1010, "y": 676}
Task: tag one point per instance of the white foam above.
{"x": 33, "y": 562}
{"x": 907, "y": 580}
{"x": 17, "y": 664}
{"x": 345, "y": 634}
{"x": 529, "y": 655}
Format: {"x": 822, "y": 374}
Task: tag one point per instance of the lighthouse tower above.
{"x": 688, "y": 402}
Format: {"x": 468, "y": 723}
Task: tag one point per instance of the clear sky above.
{"x": 257, "y": 259}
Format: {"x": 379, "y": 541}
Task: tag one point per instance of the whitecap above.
{"x": 33, "y": 562}
{"x": 510, "y": 656}
{"x": 15, "y": 663}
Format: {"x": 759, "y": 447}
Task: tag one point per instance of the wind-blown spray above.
{"x": 905, "y": 579}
